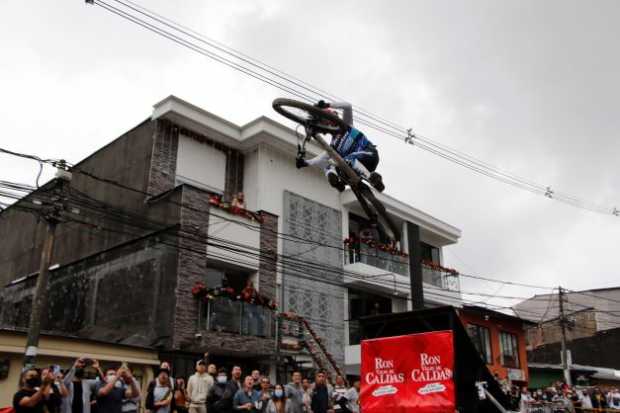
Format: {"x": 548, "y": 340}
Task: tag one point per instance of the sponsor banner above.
{"x": 412, "y": 373}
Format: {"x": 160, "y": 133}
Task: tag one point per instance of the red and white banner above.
{"x": 408, "y": 374}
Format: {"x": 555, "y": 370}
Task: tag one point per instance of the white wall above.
{"x": 200, "y": 164}
{"x": 241, "y": 234}
{"x": 277, "y": 173}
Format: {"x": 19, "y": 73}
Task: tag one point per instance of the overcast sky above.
{"x": 529, "y": 86}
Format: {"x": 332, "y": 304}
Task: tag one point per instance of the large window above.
{"x": 430, "y": 253}
{"x": 362, "y": 303}
{"x": 482, "y": 341}
{"x": 510, "y": 350}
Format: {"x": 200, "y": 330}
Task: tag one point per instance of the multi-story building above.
{"x": 157, "y": 211}
{"x": 500, "y": 340}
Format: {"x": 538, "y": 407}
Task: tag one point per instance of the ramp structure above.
{"x": 469, "y": 368}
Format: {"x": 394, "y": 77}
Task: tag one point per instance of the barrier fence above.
{"x": 561, "y": 407}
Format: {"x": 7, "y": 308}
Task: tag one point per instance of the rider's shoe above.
{"x": 376, "y": 181}
{"x": 335, "y": 181}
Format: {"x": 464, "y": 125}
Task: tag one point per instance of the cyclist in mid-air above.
{"x": 353, "y": 146}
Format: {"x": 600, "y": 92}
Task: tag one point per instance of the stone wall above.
{"x": 121, "y": 295}
{"x": 267, "y": 269}
{"x": 163, "y": 165}
{"x": 192, "y": 263}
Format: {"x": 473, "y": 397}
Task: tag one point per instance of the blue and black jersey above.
{"x": 352, "y": 141}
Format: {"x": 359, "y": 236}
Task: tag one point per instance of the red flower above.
{"x": 199, "y": 289}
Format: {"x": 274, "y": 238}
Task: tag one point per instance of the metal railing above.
{"x": 546, "y": 407}
{"x": 238, "y": 317}
{"x": 441, "y": 279}
{"x": 377, "y": 258}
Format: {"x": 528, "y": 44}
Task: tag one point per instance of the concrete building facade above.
{"x": 154, "y": 218}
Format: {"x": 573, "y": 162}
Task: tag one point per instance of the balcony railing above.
{"x": 441, "y": 279}
{"x": 238, "y": 317}
{"x": 376, "y": 258}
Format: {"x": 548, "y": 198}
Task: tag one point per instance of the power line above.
{"x": 285, "y": 265}
{"x": 242, "y": 249}
{"x": 283, "y": 236}
{"x": 187, "y": 37}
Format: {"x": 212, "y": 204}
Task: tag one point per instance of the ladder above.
{"x": 296, "y": 334}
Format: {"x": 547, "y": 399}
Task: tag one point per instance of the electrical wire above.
{"x": 292, "y": 85}
{"x": 286, "y": 237}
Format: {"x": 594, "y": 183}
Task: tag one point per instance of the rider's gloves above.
{"x": 300, "y": 163}
{"x": 322, "y": 104}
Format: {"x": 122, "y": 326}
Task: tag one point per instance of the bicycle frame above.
{"x": 362, "y": 192}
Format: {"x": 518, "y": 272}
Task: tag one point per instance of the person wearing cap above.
{"x": 198, "y": 387}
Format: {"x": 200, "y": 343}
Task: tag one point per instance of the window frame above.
{"x": 488, "y": 358}
{"x": 509, "y": 341}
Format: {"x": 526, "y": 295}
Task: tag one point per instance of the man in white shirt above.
{"x": 198, "y": 387}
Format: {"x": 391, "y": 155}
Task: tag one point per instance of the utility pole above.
{"x": 51, "y": 213}
{"x": 565, "y": 366}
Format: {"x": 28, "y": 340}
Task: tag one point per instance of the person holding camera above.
{"x": 118, "y": 385}
{"x": 79, "y": 386}
{"x": 34, "y": 392}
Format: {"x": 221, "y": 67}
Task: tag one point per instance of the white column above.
{"x": 345, "y": 222}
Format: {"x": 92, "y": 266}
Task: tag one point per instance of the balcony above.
{"x": 362, "y": 253}
{"x": 224, "y": 315}
{"x": 441, "y": 279}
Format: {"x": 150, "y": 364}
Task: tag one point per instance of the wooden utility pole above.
{"x": 565, "y": 366}
{"x": 51, "y": 212}
{"x": 39, "y": 300}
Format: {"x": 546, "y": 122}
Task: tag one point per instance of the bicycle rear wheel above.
{"x": 309, "y": 115}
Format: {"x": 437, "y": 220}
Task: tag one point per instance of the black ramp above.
{"x": 469, "y": 367}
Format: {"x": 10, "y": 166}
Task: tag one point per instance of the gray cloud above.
{"x": 528, "y": 86}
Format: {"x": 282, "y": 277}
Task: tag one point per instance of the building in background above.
{"x": 593, "y": 360}
{"x": 188, "y": 205}
{"x": 587, "y": 311}
{"x": 500, "y": 340}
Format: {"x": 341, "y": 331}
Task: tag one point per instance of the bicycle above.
{"x": 316, "y": 121}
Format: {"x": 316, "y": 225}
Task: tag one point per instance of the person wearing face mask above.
{"x": 30, "y": 398}
{"x": 279, "y": 403}
{"x": 220, "y": 397}
{"x": 119, "y": 384}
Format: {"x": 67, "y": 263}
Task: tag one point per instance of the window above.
{"x": 509, "y": 349}
{"x": 482, "y": 341}
{"x": 362, "y": 303}
{"x": 430, "y": 253}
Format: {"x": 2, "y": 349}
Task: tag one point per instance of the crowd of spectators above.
{"x": 563, "y": 398}
{"x": 209, "y": 389}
